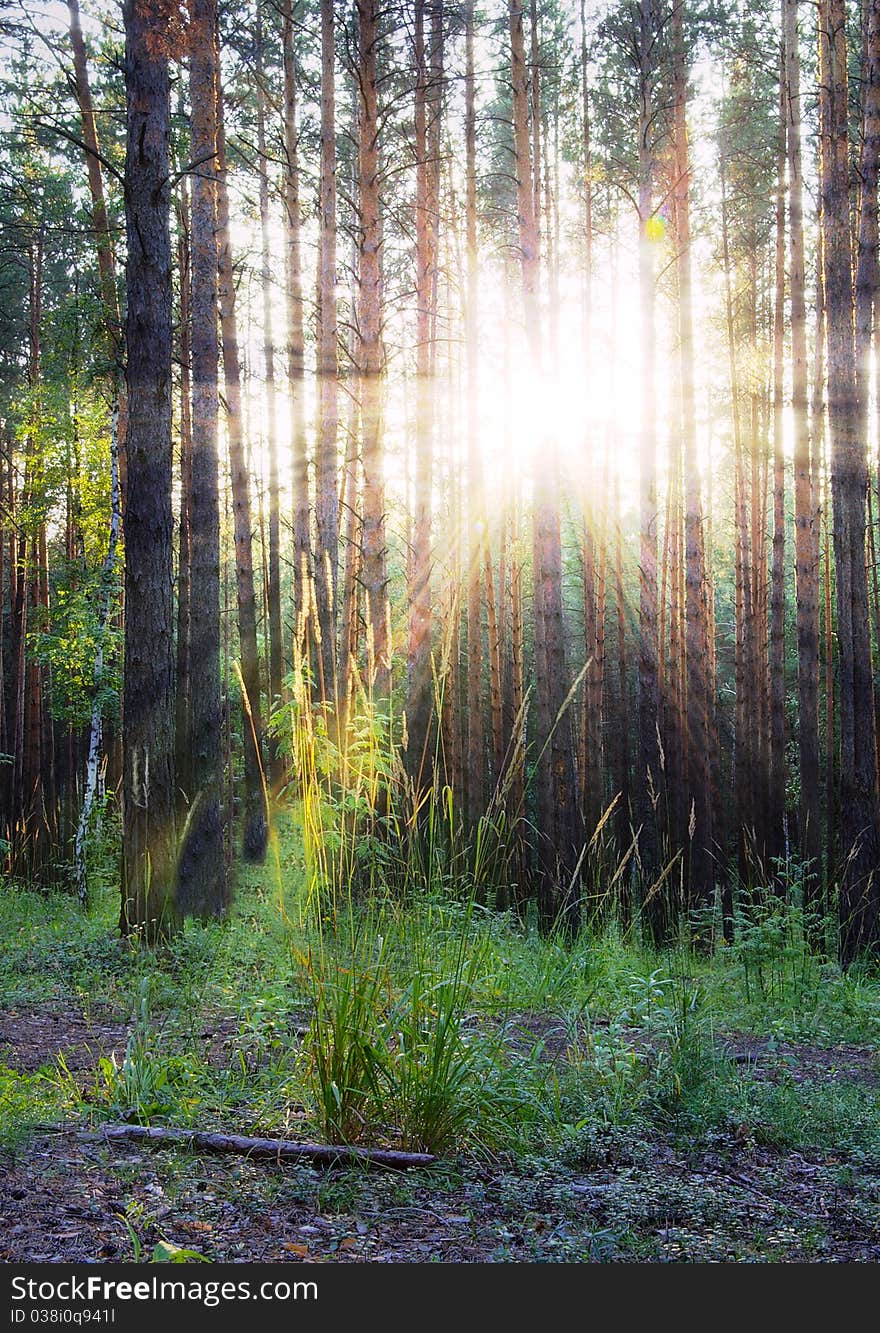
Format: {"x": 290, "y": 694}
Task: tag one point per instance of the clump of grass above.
{"x": 395, "y": 957}
{"x": 403, "y": 1060}
{"x": 444, "y": 1070}
{"x": 345, "y": 1045}
{"x": 141, "y": 1086}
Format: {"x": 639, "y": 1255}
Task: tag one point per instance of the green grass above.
{"x": 530, "y": 1062}
{"x": 834, "y": 1118}
{"x": 29, "y": 1100}
{"x": 319, "y": 1010}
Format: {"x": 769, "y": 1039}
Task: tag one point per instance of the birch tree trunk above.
{"x": 113, "y": 331}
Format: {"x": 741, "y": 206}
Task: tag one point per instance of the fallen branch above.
{"x": 322, "y": 1154}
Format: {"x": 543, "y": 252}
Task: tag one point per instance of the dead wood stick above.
{"x": 322, "y": 1154}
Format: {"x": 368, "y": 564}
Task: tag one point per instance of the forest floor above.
{"x": 671, "y": 1107}
{"x": 68, "y": 1197}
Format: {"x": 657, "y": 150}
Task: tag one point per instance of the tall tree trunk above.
{"x": 534, "y": 72}
{"x": 351, "y": 489}
{"x": 18, "y": 608}
{"x": 182, "y": 722}
{"x": 650, "y": 764}
{"x": 699, "y": 806}
{"x": 822, "y": 454}
{"x": 202, "y": 881}
{"x": 758, "y": 600}
{"x": 592, "y": 724}
{"x": 859, "y": 821}
{"x": 148, "y": 824}
{"x": 326, "y": 462}
{"x": 478, "y": 547}
{"x": 511, "y": 627}
{"x": 867, "y": 289}
{"x": 776, "y": 811}
{"x": 496, "y": 688}
{"x": 100, "y": 221}
{"x": 419, "y": 684}
{"x": 742, "y": 763}
{"x": 255, "y": 829}
{"x": 622, "y": 752}
{"x": 804, "y": 542}
{"x": 276, "y": 633}
{"x": 559, "y": 827}
{"x": 866, "y": 282}
{"x": 372, "y": 356}
{"x": 302, "y": 543}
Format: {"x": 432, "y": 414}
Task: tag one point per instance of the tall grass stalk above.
{"x": 389, "y": 1050}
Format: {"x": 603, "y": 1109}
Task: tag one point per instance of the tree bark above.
{"x": 559, "y": 826}
{"x": 183, "y": 648}
{"x": 420, "y": 683}
{"x": 320, "y": 1154}
{"x": 302, "y": 541}
{"x": 699, "y": 806}
{"x": 326, "y": 460}
{"x": 592, "y": 722}
{"x": 650, "y": 783}
{"x": 148, "y": 822}
{"x": 776, "y": 812}
{"x": 203, "y": 888}
{"x": 477, "y": 544}
{"x": 276, "y": 633}
{"x": 859, "y": 817}
{"x": 255, "y": 825}
{"x": 804, "y": 539}
{"x": 372, "y": 360}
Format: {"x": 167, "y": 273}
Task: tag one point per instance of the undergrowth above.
{"x": 371, "y": 986}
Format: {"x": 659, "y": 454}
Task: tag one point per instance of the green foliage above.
{"x": 28, "y": 1100}
{"x": 139, "y": 1088}
{"x": 435, "y": 1023}
{"x": 72, "y": 449}
{"x": 135, "y": 1221}
{"x": 393, "y": 1051}
{"x": 164, "y": 1252}
{"x": 69, "y": 650}
{"x": 784, "y": 1114}
{"x": 346, "y": 1047}
{"x": 772, "y": 952}
{"x": 368, "y": 833}
{"x": 54, "y": 954}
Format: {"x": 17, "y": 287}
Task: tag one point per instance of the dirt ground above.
{"x": 67, "y": 1196}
